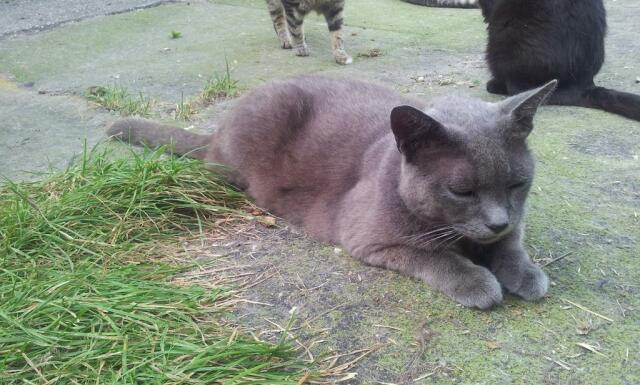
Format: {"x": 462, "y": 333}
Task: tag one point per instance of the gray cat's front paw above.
{"x": 533, "y": 284}
{"x": 302, "y": 50}
{"x": 342, "y": 57}
{"x": 480, "y": 289}
{"x": 524, "y": 279}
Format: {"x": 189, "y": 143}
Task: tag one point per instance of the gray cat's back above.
{"x": 305, "y": 143}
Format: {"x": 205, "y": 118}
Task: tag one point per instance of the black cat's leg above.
{"x": 276, "y": 10}
{"x": 496, "y": 86}
{"x": 294, "y": 21}
{"x": 511, "y": 264}
{"x": 454, "y": 275}
{"x": 516, "y": 87}
{"x": 487, "y": 8}
{"x": 333, "y": 15}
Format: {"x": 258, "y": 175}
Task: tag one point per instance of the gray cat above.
{"x": 288, "y": 16}
{"x": 435, "y": 191}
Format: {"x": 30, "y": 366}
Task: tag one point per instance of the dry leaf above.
{"x": 582, "y": 328}
{"x": 267, "y": 220}
{"x": 517, "y": 312}
{"x": 492, "y": 345}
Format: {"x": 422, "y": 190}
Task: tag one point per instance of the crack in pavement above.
{"x": 16, "y": 12}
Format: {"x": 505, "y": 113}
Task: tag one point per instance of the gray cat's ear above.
{"x": 414, "y": 129}
{"x": 522, "y": 107}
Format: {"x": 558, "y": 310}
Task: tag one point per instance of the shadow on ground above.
{"x": 584, "y": 217}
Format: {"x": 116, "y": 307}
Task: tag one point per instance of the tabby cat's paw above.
{"x": 285, "y": 43}
{"x": 342, "y": 57}
{"x": 533, "y": 283}
{"x": 480, "y": 289}
{"x": 302, "y": 50}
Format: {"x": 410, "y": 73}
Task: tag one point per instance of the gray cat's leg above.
{"x": 294, "y": 21}
{"x": 511, "y": 264}
{"x": 334, "y": 19}
{"x": 454, "y": 275}
{"x": 276, "y": 10}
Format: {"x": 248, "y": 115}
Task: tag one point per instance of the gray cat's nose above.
{"x": 497, "y": 227}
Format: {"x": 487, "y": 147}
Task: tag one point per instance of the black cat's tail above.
{"x": 617, "y": 102}
{"x": 446, "y": 3}
{"x": 142, "y": 132}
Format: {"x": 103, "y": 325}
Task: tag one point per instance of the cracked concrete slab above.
{"x": 42, "y": 133}
{"x": 35, "y": 15}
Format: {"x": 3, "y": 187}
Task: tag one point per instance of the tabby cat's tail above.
{"x": 446, "y": 3}
{"x": 143, "y": 132}
{"x": 617, "y": 102}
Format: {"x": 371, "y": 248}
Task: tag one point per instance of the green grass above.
{"x": 84, "y": 300}
{"x": 184, "y": 110}
{"x": 115, "y": 98}
{"x": 220, "y": 86}
{"x": 175, "y": 35}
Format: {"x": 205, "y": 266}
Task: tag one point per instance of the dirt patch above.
{"x": 332, "y": 303}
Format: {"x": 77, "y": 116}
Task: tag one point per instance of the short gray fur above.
{"x": 433, "y": 190}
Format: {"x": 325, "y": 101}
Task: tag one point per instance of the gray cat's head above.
{"x": 466, "y": 162}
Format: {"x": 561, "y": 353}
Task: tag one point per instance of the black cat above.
{"x": 534, "y": 41}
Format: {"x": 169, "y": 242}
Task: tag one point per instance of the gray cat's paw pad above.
{"x": 302, "y": 50}
{"x": 342, "y": 57}
{"x": 534, "y": 284}
{"x": 482, "y": 291}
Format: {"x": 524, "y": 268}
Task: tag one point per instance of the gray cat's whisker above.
{"x": 441, "y": 240}
{"x": 441, "y": 246}
{"x": 429, "y": 242}
{"x": 435, "y": 231}
{"x": 427, "y": 237}
{"x": 451, "y": 242}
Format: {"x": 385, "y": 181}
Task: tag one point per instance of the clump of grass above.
{"x": 175, "y": 35}
{"x": 220, "y": 86}
{"x": 184, "y": 110}
{"x": 79, "y": 302}
{"x": 101, "y": 206}
{"x": 115, "y": 98}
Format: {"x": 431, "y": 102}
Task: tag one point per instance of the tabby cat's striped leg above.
{"x": 294, "y": 21}
{"x": 276, "y": 10}
{"x": 334, "y": 22}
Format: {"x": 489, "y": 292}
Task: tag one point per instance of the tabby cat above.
{"x": 288, "y": 15}
{"x": 433, "y": 190}
{"x": 532, "y": 42}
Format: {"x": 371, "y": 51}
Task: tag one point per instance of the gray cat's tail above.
{"x": 446, "y": 3}
{"x": 142, "y": 132}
